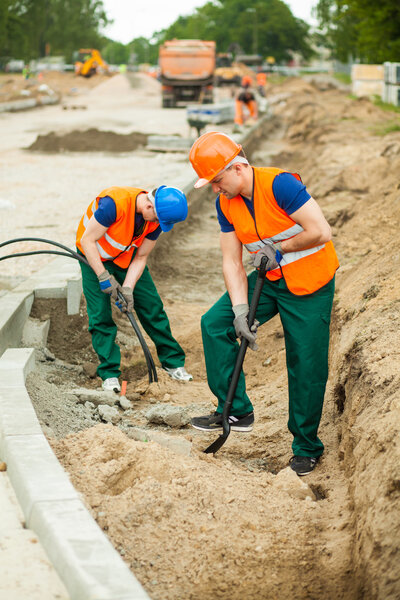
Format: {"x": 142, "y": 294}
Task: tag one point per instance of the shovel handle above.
{"x": 243, "y": 346}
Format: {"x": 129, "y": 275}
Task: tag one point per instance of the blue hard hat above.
{"x": 170, "y": 205}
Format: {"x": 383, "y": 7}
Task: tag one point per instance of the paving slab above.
{"x": 25, "y": 569}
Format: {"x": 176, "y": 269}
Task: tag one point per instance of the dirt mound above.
{"x": 16, "y": 87}
{"x": 91, "y": 140}
{"x": 176, "y": 520}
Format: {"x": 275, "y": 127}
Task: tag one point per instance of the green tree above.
{"x": 115, "y": 53}
{"x": 267, "y": 24}
{"x": 362, "y": 29}
{"x": 29, "y": 27}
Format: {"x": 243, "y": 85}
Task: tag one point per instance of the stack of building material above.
{"x": 367, "y": 80}
{"x": 391, "y": 89}
{"x": 222, "y": 112}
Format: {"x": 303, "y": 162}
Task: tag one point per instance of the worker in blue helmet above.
{"x": 116, "y": 234}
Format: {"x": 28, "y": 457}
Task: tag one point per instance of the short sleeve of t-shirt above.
{"x": 290, "y": 193}
{"x": 226, "y": 227}
{"x": 154, "y": 234}
{"x": 106, "y": 213}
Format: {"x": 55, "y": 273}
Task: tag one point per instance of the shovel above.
{"x": 226, "y": 428}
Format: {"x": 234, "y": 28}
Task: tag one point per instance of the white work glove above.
{"x": 126, "y": 303}
{"x": 108, "y": 284}
{"x": 273, "y": 252}
{"x": 241, "y": 325}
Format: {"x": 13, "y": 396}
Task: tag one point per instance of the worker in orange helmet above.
{"x": 270, "y": 212}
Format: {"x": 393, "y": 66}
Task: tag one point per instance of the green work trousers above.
{"x": 305, "y": 321}
{"x": 149, "y": 309}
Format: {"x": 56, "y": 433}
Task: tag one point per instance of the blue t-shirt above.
{"x": 290, "y": 195}
{"x": 106, "y": 215}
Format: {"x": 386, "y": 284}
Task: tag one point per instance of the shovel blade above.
{"x": 215, "y": 446}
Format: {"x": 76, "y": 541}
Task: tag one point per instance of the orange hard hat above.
{"x": 246, "y": 80}
{"x": 210, "y": 154}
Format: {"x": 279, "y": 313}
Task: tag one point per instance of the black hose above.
{"x": 72, "y": 254}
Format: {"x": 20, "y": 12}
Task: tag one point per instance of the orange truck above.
{"x": 186, "y": 71}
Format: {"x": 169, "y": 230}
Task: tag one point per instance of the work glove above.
{"x": 241, "y": 325}
{"x": 273, "y": 254}
{"x": 125, "y": 304}
{"x": 108, "y": 284}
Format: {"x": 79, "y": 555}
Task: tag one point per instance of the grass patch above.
{"x": 389, "y": 127}
{"x": 343, "y": 78}
{"x": 385, "y": 106}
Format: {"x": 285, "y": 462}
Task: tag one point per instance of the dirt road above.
{"x": 238, "y": 525}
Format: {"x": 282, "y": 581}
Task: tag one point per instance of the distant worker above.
{"x": 261, "y": 82}
{"x": 116, "y": 234}
{"x": 247, "y": 81}
{"x": 270, "y": 212}
{"x": 26, "y": 72}
{"x": 246, "y": 109}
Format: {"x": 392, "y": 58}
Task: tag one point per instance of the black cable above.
{"x": 72, "y": 254}
{"x": 36, "y": 252}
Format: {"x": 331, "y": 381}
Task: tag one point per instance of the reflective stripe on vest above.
{"x": 305, "y": 271}
{"x": 119, "y": 237}
{"x": 289, "y": 257}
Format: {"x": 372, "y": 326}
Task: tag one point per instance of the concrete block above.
{"x": 176, "y": 444}
{"x": 34, "y": 471}
{"x": 15, "y": 309}
{"x": 74, "y": 294}
{"x": 17, "y": 415}
{"x": 15, "y": 365}
{"x": 367, "y": 87}
{"x": 84, "y": 558}
{"x": 52, "y": 280}
{"x": 35, "y": 332}
{"x": 360, "y": 71}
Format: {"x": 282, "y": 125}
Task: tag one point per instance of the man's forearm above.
{"x": 303, "y": 240}
{"x": 135, "y": 271}
{"x": 92, "y": 255}
{"x": 236, "y": 282}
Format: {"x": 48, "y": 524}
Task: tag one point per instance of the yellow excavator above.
{"x": 89, "y": 62}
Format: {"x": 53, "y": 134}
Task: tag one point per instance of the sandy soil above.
{"x": 240, "y": 524}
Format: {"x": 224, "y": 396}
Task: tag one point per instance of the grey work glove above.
{"x": 126, "y": 303}
{"x": 273, "y": 255}
{"x": 108, "y": 284}
{"x": 241, "y": 325}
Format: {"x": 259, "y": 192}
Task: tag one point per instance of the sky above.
{"x": 133, "y": 18}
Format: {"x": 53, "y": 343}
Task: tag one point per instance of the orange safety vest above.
{"x": 261, "y": 79}
{"x": 304, "y": 271}
{"x": 119, "y": 241}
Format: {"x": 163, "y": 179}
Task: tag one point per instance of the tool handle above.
{"x": 243, "y": 347}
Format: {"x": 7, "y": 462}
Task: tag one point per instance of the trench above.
{"x": 189, "y": 525}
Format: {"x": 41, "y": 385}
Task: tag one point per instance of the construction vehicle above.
{"x": 186, "y": 72}
{"x": 89, "y": 62}
{"x": 226, "y": 72}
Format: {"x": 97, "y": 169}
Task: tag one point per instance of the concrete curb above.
{"x": 61, "y": 278}
{"x": 85, "y": 560}
{"x": 27, "y": 104}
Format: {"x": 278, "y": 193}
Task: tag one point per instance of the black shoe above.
{"x": 213, "y": 422}
{"x": 303, "y": 465}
